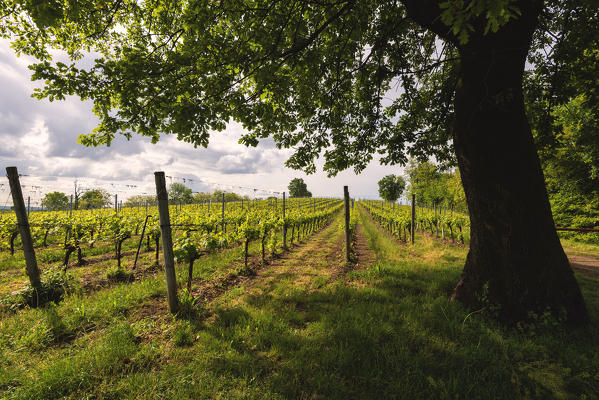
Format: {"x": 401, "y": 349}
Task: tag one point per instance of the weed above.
{"x": 118, "y": 274}
{"x": 183, "y": 336}
{"x": 55, "y": 283}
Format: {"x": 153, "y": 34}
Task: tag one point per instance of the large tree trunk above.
{"x": 516, "y": 262}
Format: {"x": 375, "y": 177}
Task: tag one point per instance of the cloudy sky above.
{"x": 39, "y": 137}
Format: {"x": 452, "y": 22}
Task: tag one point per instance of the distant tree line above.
{"x": 94, "y": 198}
{"x": 180, "y": 194}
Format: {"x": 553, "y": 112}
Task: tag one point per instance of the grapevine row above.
{"x": 397, "y": 221}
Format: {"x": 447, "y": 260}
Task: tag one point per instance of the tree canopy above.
{"x": 391, "y": 187}
{"x": 95, "y": 198}
{"x": 298, "y": 188}
{"x": 140, "y": 200}
{"x": 158, "y": 70}
{"x": 434, "y": 187}
{"x": 179, "y": 193}
{"x": 311, "y": 75}
{"x": 55, "y": 201}
{"x": 562, "y": 98}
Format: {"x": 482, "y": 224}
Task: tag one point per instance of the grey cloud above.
{"x": 247, "y": 163}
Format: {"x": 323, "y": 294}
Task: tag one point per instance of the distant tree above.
{"x": 202, "y": 197}
{"x": 55, "y": 201}
{"x": 217, "y": 195}
{"x": 298, "y": 188}
{"x": 95, "y": 198}
{"x": 391, "y": 187}
{"x": 456, "y": 198}
{"x": 179, "y": 193}
{"x": 139, "y": 200}
{"x": 426, "y": 182}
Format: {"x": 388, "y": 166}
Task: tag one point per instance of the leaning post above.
{"x": 32, "y": 270}
{"x": 167, "y": 241}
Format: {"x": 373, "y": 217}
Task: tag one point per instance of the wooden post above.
{"x": 116, "y": 204}
{"x": 146, "y": 207}
{"x": 71, "y": 207}
{"x": 347, "y": 233}
{"x": 223, "y": 214}
{"x": 33, "y": 271}
{"x": 413, "y": 225}
{"x": 28, "y": 205}
{"x": 167, "y": 241}
{"x": 284, "y": 225}
{"x": 436, "y": 222}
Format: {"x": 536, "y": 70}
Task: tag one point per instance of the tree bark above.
{"x": 516, "y": 262}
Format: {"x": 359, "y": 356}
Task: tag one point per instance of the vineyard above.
{"x": 65, "y": 239}
{"x": 263, "y": 287}
{"x": 397, "y": 220}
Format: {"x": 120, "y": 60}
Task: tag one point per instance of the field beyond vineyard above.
{"x": 296, "y": 323}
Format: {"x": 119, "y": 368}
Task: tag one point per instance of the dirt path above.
{"x": 365, "y": 257}
{"x": 585, "y": 264}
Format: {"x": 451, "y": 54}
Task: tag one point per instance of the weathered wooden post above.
{"x": 347, "y": 233}
{"x": 413, "y": 224}
{"x": 116, "y": 204}
{"x": 71, "y": 207}
{"x": 436, "y": 222}
{"x": 32, "y": 270}
{"x": 284, "y": 224}
{"x": 224, "y": 228}
{"x": 28, "y": 205}
{"x": 167, "y": 241}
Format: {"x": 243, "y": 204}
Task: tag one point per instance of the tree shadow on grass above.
{"x": 398, "y": 338}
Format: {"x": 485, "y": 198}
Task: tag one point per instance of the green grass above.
{"x": 577, "y": 247}
{"x": 384, "y": 332}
